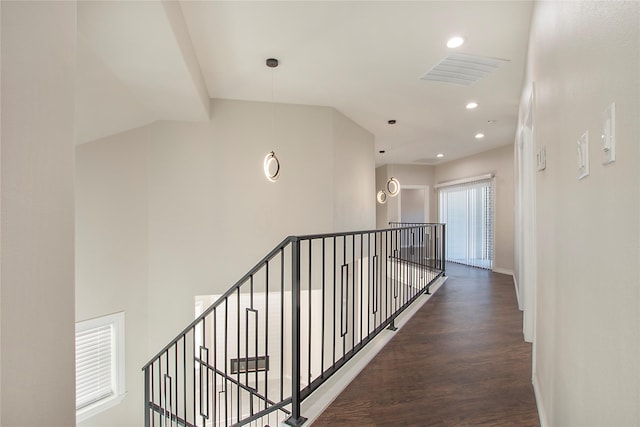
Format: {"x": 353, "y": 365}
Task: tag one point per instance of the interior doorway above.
{"x": 413, "y": 205}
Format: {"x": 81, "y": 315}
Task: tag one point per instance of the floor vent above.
{"x": 462, "y": 69}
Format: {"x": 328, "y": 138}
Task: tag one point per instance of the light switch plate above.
{"x": 542, "y": 159}
{"x": 609, "y": 135}
{"x": 583, "y": 155}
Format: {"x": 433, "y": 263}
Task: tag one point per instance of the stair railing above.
{"x": 288, "y": 325}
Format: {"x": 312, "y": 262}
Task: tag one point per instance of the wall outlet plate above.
{"x": 609, "y": 135}
{"x": 583, "y": 155}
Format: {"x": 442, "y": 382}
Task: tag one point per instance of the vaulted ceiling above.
{"x": 139, "y": 62}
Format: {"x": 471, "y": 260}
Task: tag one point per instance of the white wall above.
{"x": 498, "y": 161}
{"x": 353, "y": 176}
{"x": 382, "y": 217}
{"x": 112, "y": 252}
{"x": 36, "y": 229}
{"x": 0, "y": 213}
{"x": 413, "y": 205}
{"x": 212, "y": 212}
{"x": 583, "y": 56}
{"x": 177, "y": 209}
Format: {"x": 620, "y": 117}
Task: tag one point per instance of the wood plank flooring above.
{"x": 460, "y": 361}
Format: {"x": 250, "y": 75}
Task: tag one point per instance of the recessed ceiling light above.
{"x": 440, "y": 155}
{"x": 479, "y": 135}
{"x": 471, "y": 105}
{"x": 455, "y": 42}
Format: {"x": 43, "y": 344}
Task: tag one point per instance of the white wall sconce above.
{"x": 382, "y": 197}
{"x": 392, "y": 187}
{"x": 271, "y": 166}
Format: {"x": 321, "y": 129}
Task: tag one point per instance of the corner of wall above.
{"x": 175, "y": 17}
{"x": 354, "y": 163}
{"x": 382, "y": 215}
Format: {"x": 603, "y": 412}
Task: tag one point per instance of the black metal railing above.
{"x": 290, "y": 323}
{"x": 434, "y": 237}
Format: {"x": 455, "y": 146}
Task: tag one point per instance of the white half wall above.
{"x": 37, "y": 223}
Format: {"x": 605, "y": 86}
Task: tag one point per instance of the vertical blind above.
{"x": 467, "y": 209}
{"x": 94, "y": 365}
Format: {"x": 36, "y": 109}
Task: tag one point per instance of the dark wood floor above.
{"x": 460, "y": 361}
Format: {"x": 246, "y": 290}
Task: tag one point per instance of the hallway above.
{"x": 460, "y": 361}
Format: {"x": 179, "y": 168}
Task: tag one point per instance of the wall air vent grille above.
{"x": 462, "y": 69}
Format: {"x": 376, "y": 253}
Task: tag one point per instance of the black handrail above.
{"x": 299, "y": 314}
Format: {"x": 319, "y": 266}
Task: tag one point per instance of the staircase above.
{"x": 288, "y": 325}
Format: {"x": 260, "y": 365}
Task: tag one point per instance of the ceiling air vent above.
{"x": 462, "y": 69}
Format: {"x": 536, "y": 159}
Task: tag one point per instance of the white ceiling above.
{"x": 364, "y": 58}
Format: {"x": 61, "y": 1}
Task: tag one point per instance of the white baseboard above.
{"x": 502, "y": 271}
{"x": 320, "y": 400}
{"x": 542, "y": 414}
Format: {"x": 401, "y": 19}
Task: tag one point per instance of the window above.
{"x": 467, "y": 209}
{"x": 99, "y": 364}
